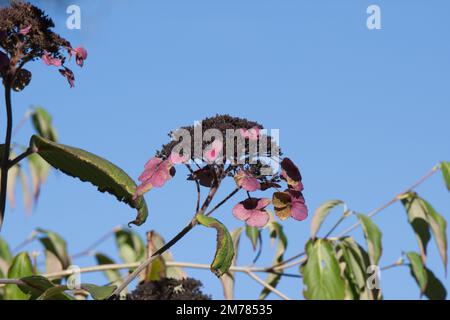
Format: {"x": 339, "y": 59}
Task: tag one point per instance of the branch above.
{"x": 394, "y": 200}
{"x": 197, "y": 185}
{"x": 7, "y": 149}
{"x": 223, "y": 201}
{"x": 168, "y": 245}
{"x": 285, "y": 264}
{"x": 20, "y": 157}
{"x": 267, "y": 286}
{"x": 102, "y": 239}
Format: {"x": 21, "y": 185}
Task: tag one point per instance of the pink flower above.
{"x": 80, "y": 54}
{"x": 50, "y": 61}
{"x": 213, "y": 151}
{"x": 247, "y": 181}
{"x": 253, "y": 212}
{"x": 299, "y": 210}
{"x": 25, "y": 31}
{"x": 68, "y": 74}
{"x": 290, "y": 204}
{"x": 156, "y": 173}
{"x": 291, "y": 174}
{"x": 176, "y": 158}
{"x": 251, "y": 134}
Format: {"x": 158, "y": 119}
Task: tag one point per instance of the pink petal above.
{"x": 213, "y": 151}
{"x": 262, "y": 203}
{"x": 240, "y": 212}
{"x": 25, "y": 31}
{"x": 48, "y": 60}
{"x": 299, "y": 211}
{"x": 251, "y": 134}
{"x": 175, "y": 158}
{"x": 250, "y": 184}
{"x": 258, "y": 218}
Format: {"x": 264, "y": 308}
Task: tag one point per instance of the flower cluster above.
{"x": 26, "y": 35}
{"x": 248, "y": 175}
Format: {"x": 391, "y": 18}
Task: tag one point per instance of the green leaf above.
{"x": 439, "y": 229}
{"x": 276, "y": 234}
{"x": 20, "y": 267}
{"x": 228, "y": 278}
{"x": 356, "y": 263}
{"x": 321, "y": 272}
{"x": 5, "y": 252}
{"x": 418, "y": 270}
{"x": 417, "y": 217}
{"x": 320, "y": 215}
{"x": 445, "y": 167}
{"x": 373, "y": 238}
{"x": 42, "y": 122}
{"x": 113, "y": 276}
{"x": 54, "y": 243}
{"x": 426, "y": 218}
{"x": 5, "y": 258}
{"x": 98, "y": 293}
{"x": 224, "y": 251}
{"x": 130, "y": 245}
{"x": 253, "y": 234}
{"x": 435, "y": 289}
{"x": 89, "y": 167}
{"x": 37, "y": 286}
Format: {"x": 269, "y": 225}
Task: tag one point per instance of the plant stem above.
{"x": 393, "y": 201}
{"x": 7, "y": 149}
{"x": 20, "y": 157}
{"x": 169, "y": 244}
{"x": 285, "y": 264}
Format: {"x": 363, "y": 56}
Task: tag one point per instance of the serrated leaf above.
{"x": 320, "y": 215}
{"x": 113, "y": 276}
{"x": 224, "y": 245}
{"x": 321, "y": 272}
{"x": 417, "y": 218}
{"x": 253, "y": 234}
{"x": 130, "y": 245}
{"x": 54, "y": 243}
{"x": 445, "y": 167}
{"x": 418, "y": 270}
{"x": 276, "y": 233}
{"x": 20, "y": 267}
{"x": 228, "y": 278}
{"x": 42, "y": 122}
{"x": 86, "y": 166}
{"x": 373, "y": 236}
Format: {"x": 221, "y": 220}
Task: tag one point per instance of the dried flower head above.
{"x": 26, "y": 35}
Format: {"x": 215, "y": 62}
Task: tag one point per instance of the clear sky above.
{"x": 364, "y": 113}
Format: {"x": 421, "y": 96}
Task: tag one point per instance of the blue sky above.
{"x": 364, "y": 113}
